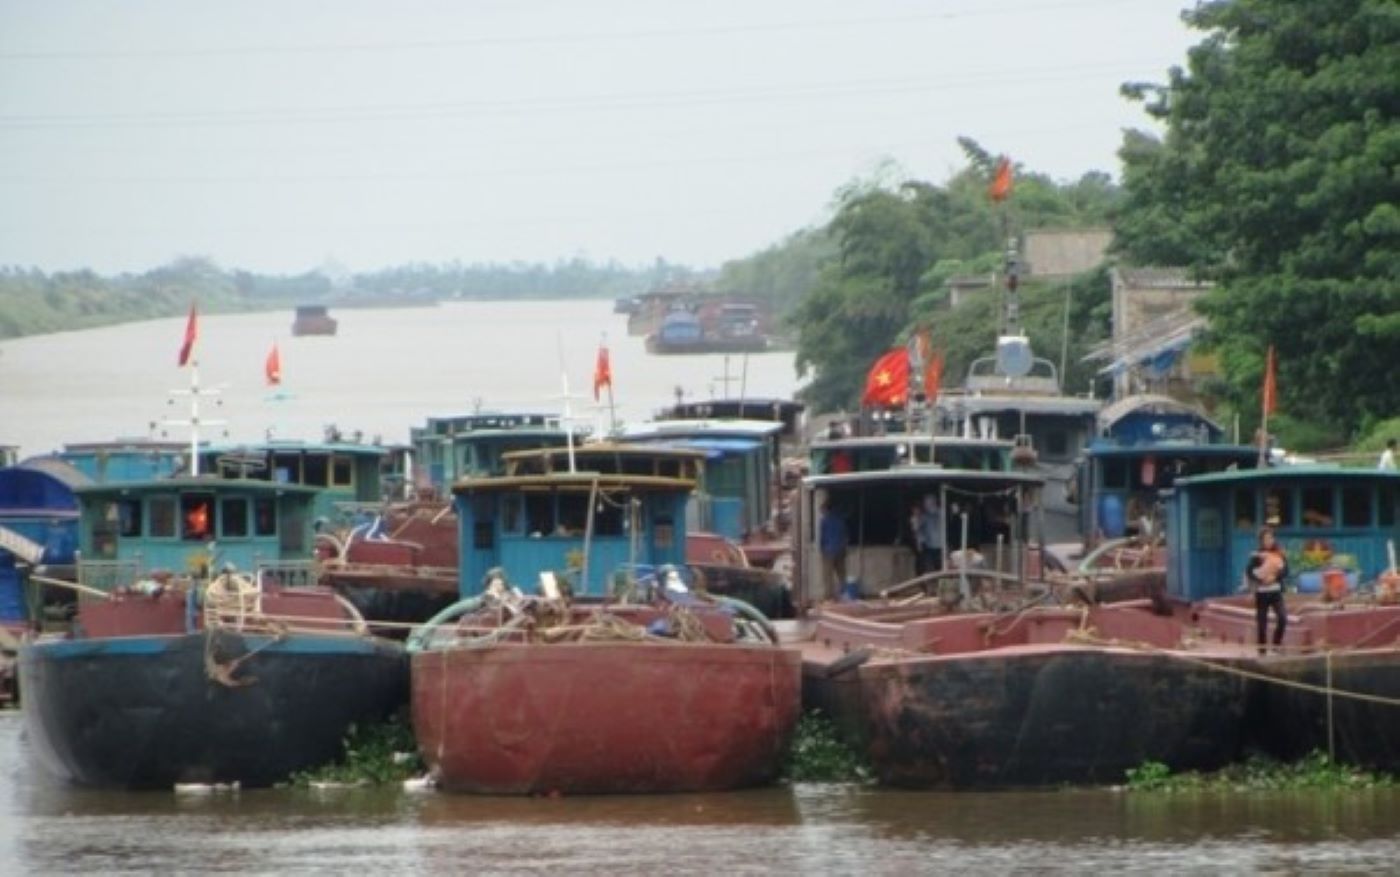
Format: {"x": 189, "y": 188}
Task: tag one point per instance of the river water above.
{"x": 384, "y": 371}
{"x": 389, "y": 369}
{"x": 813, "y": 829}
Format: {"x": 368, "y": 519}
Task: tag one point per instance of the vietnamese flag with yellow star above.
{"x": 887, "y": 383}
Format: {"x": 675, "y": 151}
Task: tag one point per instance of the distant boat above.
{"x": 732, "y": 328}
{"x": 313, "y": 320}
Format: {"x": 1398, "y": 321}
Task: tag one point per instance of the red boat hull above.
{"x": 601, "y": 718}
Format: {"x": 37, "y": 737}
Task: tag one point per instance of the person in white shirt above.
{"x": 1387, "y": 456}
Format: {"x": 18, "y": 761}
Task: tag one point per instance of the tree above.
{"x": 1277, "y": 178}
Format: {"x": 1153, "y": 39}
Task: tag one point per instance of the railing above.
{"x": 289, "y": 573}
{"x": 107, "y": 575}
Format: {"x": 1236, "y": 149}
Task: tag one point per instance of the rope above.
{"x": 223, "y": 673}
{"x": 1087, "y": 636}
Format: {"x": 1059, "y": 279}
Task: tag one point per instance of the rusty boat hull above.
{"x": 1063, "y": 715}
{"x": 603, "y": 718}
{"x": 981, "y": 701}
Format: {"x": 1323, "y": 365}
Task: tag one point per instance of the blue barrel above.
{"x": 1111, "y": 515}
{"x": 11, "y": 595}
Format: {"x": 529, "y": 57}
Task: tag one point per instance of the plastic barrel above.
{"x": 1111, "y": 516}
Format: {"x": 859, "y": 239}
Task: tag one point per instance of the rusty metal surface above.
{"x": 605, "y": 717}
{"x": 1035, "y": 718}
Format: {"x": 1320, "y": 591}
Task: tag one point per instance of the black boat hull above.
{"x": 156, "y": 711}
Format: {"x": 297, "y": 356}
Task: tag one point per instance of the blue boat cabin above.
{"x": 184, "y": 524}
{"x": 740, "y": 474}
{"x": 1146, "y": 444}
{"x": 619, "y": 507}
{"x": 449, "y": 448}
{"x": 38, "y": 515}
{"x": 346, "y": 475}
{"x": 1214, "y": 522}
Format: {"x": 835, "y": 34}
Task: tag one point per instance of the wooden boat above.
{"x": 616, "y": 679}
{"x": 179, "y": 669}
{"x": 313, "y": 320}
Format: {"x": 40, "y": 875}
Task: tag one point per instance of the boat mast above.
{"x": 194, "y": 422}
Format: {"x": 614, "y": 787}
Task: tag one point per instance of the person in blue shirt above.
{"x": 833, "y": 541}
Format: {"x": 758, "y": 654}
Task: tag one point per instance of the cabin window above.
{"x": 264, "y": 516}
{"x": 1278, "y": 507}
{"x": 573, "y": 514}
{"x": 197, "y": 517}
{"x": 161, "y": 510}
{"x": 638, "y": 464}
{"x": 342, "y": 471}
{"x": 315, "y": 471}
{"x": 1356, "y": 506}
{"x": 128, "y": 513}
{"x": 1244, "y": 509}
{"x": 668, "y": 468}
{"x": 286, "y": 469}
{"x": 1115, "y": 474}
{"x": 1385, "y": 508}
{"x": 512, "y": 514}
{"x": 1057, "y": 443}
{"x": 233, "y": 517}
{"x": 539, "y": 514}
{"x": 483, "y": 527}
{"x": 1317, "y": 507}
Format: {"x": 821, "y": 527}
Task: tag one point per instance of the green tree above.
{"x": 1277, "y": 177}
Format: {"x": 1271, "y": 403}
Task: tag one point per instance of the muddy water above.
{"x": 46, "y": 827}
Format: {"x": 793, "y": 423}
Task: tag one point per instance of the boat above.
{"x": 615, "y": 677}
{"x": 397, "y": 561}
{"x": 202, "y": 651}
{"x": 739, "y": 538}
{"x": 313, "y": 320}
{"x": 724, "y": 328}
{"x": 1036, "y": 697}
{"x": 1334, "y": 686}
{"x": 975, "y": 674}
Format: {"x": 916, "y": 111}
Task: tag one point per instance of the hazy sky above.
{"x": 275, "y": 135}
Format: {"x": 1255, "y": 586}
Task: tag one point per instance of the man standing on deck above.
{"x": 833, "y": 541}
{"x": 1387, "y": 460}
{"x": 929, "y": 537}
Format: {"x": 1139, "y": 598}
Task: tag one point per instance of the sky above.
{"x": 281, "y": 136}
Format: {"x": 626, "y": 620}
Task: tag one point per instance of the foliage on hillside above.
{"x": 33, "y": 302}
{"x": 1277, "y": 178}
{"x": 896, "y": 246}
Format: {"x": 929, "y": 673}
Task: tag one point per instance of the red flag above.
{"x": 1001, "y": 181}
{"x": 1270, "y": 384}
{"x": 887, "y": 383}
{"x": 933, "y": 377}
{"x": 602, "y": 372}
{"x": 191, "y": 333}
{"x": 273, "y": 367}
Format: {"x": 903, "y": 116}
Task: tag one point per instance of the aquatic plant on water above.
{"x": 819, "y": 755}
{"x": 374, "y": 755}
{"x": 1316, "y": 771}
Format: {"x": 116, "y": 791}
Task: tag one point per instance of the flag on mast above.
{"x": 887, "y": 382}
{"x": 933, "y": 377}
{"x": 191, "y": 334}
{"x": 1001, "y": 181}
{"x": 1270, "y": 400}
{"x": 272, "y": 369}
{"x": 602, "y": 372}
